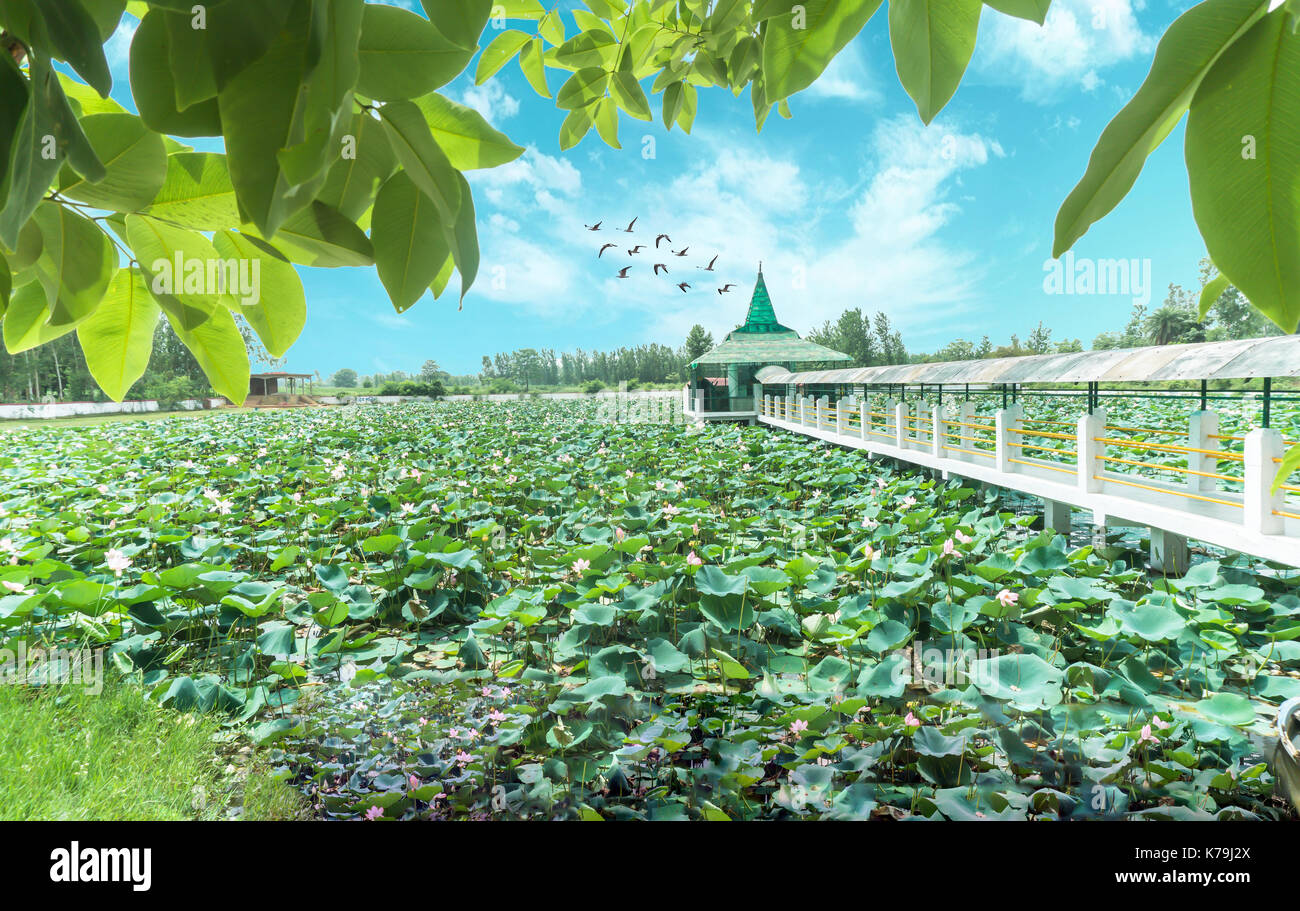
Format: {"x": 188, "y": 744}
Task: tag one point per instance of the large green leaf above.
{"x": 404, "y": 56}
{"x": 799, "y": 44}
{"x": 26, "y": 323}
{"x": 1033, "y": 10}
{"x": 76, "y": 263}
{"x": 154, "y": 90}
{"x": 355, "y": 179}
{"x": 422, "y": 157}
{"x": 262, "y": 109}
{"x": 497, "y": 54}
{"x": 135, "y": 163}
{"x": 117, "y": 339}
{"x": 175, "y": 262}
{"x": 75, "y": 37}
{"x": 235, "y": 33}
{"x": 462, "y": 235}
{"x": 321, "y": 236}
{"x": 1243, "y": 163}
{"x": 1185, "y": 54}
{"x": 461, "y": 132}
{"x": 280, "y": 311}
{"x": 533, "y": 66}
{"x": 197, "y": 192}
{"x": 933, "y": 41}
{"x": 462, "y": 22}
{"x": 219, "y": 348}
{"x": 410, "y": 245}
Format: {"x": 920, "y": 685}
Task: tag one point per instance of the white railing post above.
{"x": 840, "y": 406}
{"x": 889, "y": 408}
{"x": 1262, "y": 447}
{"x": 1007, "y": 420}
{"x": 900, "y": 426}
{"x": 823, "y": 412}
{"x": 788, "y": 413}
{"x": 966, "y": 415}
{"x": 1091, "y": 426}
{"x": 864, "y": 417}
{"x": 807, "y": 407}
{"x": 937, "y": 439}
{"x": 699, "y": 401}
{"x": 1202, "y": 428}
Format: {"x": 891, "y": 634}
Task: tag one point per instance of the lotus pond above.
{"x": 504, "y": 610}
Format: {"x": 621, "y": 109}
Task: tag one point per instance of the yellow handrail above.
{"x": 1043, "y": 465}
{"x": 1176, "y": 493}
{"x": 1165, "y": 447}
{"x": 1203, "y": 474}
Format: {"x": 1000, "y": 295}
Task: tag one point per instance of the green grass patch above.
{"x": 69, "y": 755}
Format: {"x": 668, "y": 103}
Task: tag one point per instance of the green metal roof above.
{"x": 761, "y": 339}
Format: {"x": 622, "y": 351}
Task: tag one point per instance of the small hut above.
{"x": 722, "y": 380}
{"x": 277, "y": 382}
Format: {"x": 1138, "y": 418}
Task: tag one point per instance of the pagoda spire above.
{"x": 761, "y": 318}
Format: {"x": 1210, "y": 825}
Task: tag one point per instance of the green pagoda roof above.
{"x": 761, "y": 339}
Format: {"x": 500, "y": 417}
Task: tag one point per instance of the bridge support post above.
{"x": 787, "y": 409}
{"x": 1056, "y": 516}
{"x": 863, "y": 418}
{"x": 1169, "y": 553}
{"x": 890, "y": 410}
{"x": 1262, "y": 447}
{"x": 900, "y": 426}
{"x": 1006, "y": 420}
{"x": 937, "y": 436}
{"x": 1202, "y": 427}
{"x": 1091, "y": 426}
{"x": 823, "y": 414}
{"x": 841, "y": 406}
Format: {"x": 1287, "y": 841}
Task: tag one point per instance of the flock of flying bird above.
{"x": 637, "y": 248}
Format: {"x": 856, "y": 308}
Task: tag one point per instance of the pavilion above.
{"x": 722, "y": 381}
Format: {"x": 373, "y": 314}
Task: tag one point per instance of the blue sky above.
{"x": 851, "y": 203}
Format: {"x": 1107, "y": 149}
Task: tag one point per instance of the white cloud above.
{"x": 491, "y": 100}
{"x": 846, "y": 79}
{"x": 1079, "y": 38}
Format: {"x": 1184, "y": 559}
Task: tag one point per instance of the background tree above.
{"x": 344, "y": 379}
{"x": 698, "y": 342}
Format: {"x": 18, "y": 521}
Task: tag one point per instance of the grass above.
{"x": 68, "y": 755}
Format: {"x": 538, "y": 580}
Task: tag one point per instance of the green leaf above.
{"x": 462, "y": 236}
{"x": 421, "y": 156}
{"x": 85, "y": 100}
{"x": 686, "y": 116}
{"x": 197, "y": 192}
{"x": 262, "y": 110}
{"x": 800, "y": 43}
{"x": 1212, "y": 291}
{"x": 497, "y": 54}
{"x": 630, "y": 96}
{"x": 672, "y": 104}
{"x": 462, "y": 22}
{"x": 183, "y": 292}
{"x": 410, "y": 246}
{"x": 355, "y": 179}
{"x": 1290, "y": 463}
{"x": 76, "y": 263}
{"x": 439, "y": 283}
{"x": 154, "y": 89}
{"x": 135, "y": 163}
{"x": 280, "y": 311}
{"x": 74, "y": 36}
{"x": 582, "y": 88}
{"x": 321, "y": 236}
{"x": 26, "y": 323}
{"x": 33, "y": 165}
{"x": 534, "y": 69}
{"x": 1184, "y": 55}
{"x": 235, "y": 33}
{"x": 1033, "y": 10}
{"x": 461, "y": 132}
{"x": 933, "y": 41}
{"x": 404, "y": 56}
{"x": 219, "y": 349}
{"x": 117, "y": 339}
{"x": 607, "y": 122}
{"x": 1243, "y": 164}
{"x": 575, "y": 126}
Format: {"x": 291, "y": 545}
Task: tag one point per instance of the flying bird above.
{"x": 604, "y": 248}
{"x": 681, "y": 252}
{"x": 628, "y": 229}
{"x": 595, "y": 227}
{"x": 662, "y": 237}
{"x": 709, "y": 267}
{"x": 726, "y": 288}
{"x": 636, "y": 249}
{"x": 683, "y": 286}
{"x": 622, "y": 273}
{"x": 659, "y": 266}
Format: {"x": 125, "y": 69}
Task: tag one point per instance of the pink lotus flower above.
{"x": 798, "y": 726}
{"x": 963, "y": 538}
{"x": 413, "y": 782}
{"x": 16, "y": 588}
{"x": 1159, "y": 722}
{"x": 693, "y": 560}
{"x": 374, "y": 813}
{"x": 671, "y": 510}
{"x": 1007, "y": 598}
{"x": 117, "y": 561}
{"x": 909, "y": 501}
{"x": 949, "y": 548}
{"x": 496, "y": 716}
{"x": 463, "y": 759}
{"x": 869, "y": 552}
{"x": 912, "y": 721}
{"x": 619, "y": 533}
{"x": 1146, "y": 735}
{"x": 580, "y": 565}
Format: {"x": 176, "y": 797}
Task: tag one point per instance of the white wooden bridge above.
{"x": 1220, "y": 493}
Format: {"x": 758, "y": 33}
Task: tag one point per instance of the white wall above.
{"x": 80, "y": 409}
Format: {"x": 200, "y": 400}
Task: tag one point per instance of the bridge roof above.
{"x": 1278, "y": 356}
